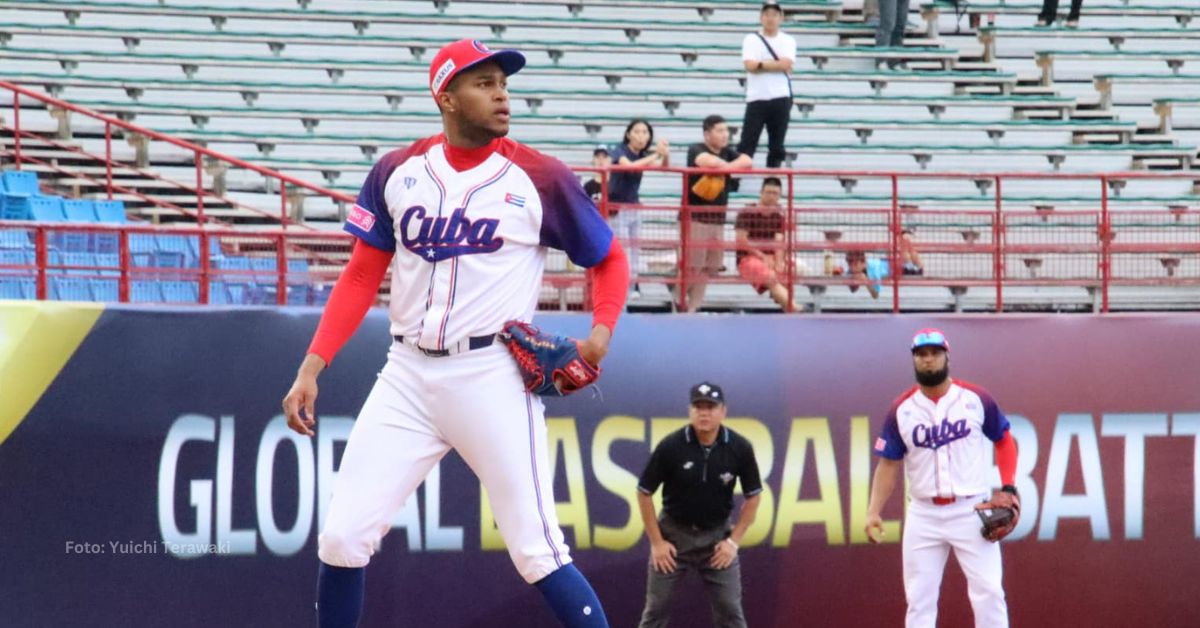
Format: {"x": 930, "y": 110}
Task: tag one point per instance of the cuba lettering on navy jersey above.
{"x": 942, "y": 443}
{"x": 471, "y": 246}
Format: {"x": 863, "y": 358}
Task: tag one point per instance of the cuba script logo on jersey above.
{"x": 935, "y": 436}
{"x": 440, "y": 238}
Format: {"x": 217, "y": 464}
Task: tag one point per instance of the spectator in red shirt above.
{"x": 761, "y": 259}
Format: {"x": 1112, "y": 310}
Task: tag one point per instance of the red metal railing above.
{"x": 1006, "y": 237}
{"x": 198, "y": 154}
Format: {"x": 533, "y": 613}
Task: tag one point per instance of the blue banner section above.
{"x": 155, "y": 482}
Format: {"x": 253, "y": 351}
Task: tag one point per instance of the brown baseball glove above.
{"x": 1000, "y": 513}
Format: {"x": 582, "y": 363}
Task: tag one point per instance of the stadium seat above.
{"x": 264, "y": 267}
{"x": 13, "y": 257}
{"x": 110, "y": 211}
{"x": 17, "y": 288}
{"x": 47, "y": 208}
{"x": 105, "y": 290}
{"x": 85, "y": 263}
{"x": 142, "y": 247}
{"x": 79, "y": 210}
{"x": 238, "y": 279}
{"x": 176, "y": 251}
{"x": 20, "y": 182}
{"x": 14, "y": 239}
{"x": 109, "y": 264}
{"x": 180, "y": 291}
{"x": 69, "y": 289}
{"x": 141, "y": 291}
{"x": 320, "y": 295}
{"x": 16, "y": 207}
{"x": 193, "y": 250}
{"x": 218, "y": 293}
{"x": 299, "y": 294}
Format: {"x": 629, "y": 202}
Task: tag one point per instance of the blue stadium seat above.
{"x": 214, "y": 251}
{"x": 142, "y": 247}
{"x": 181, "y": 291}
{"x": 17, "y": 288}
{"x": 88, "y": 260}
{"x": 12, "y": 257}
{"x": 264, "y": 269}
{"x": 16, "y": 207}
{"x": 321, "y": 295}
{"x": 105, "y": 290}
{"x": 106, "y": 243}
{"x": 176, "y": 251}
{"x": 299, "y": 290}
{"x": 69, "y": 289}
{"x": 299, "y": 294}
{"x": 47, "y": 208}
{"x": 110, "y": 211}
{"x": 82, "y": 212}
{"x": 79, "y": 210}
{"x": 144, "y": 292}
{"x": 109, "y": 263}
{"x": 235, "y": 269}
{"x": 14, "y": 239}
{"x": 20, "y": 182}
{"x": 218, "y": 293}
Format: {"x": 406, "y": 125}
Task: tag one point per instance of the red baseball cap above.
{"x": 464, "y": 53}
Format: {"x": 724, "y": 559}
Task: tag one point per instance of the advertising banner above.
{"x": 147, "y": 477}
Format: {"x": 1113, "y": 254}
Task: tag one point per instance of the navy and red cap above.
{"x": 930, "y": 337}
{"x": 465, "y": 53}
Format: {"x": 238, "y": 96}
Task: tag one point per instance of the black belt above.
{"x": 473, "y": 343}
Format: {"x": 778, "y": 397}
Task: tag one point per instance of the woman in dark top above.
{"x": 637, "y": 149}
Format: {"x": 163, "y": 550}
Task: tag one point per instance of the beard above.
{"x": 932, "y": 378}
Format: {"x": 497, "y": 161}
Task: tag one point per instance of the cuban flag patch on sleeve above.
{"x": 880, "y": 444}
{"x": 361, "y": 218}
{"x": 513, "y": 199}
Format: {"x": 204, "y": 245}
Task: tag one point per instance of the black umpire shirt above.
{"x": 698, "y": 481}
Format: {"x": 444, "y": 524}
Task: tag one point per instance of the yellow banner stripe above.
{"x": 36, "y": 340}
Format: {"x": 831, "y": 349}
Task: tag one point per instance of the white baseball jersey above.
{"x": 471, "y": 245}
{"x": 941, "y": 442}
{"x": 469, "y": 249}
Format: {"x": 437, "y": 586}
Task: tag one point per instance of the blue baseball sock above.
{"x": 572, "y": 598}
{"x": 340, "y": 596}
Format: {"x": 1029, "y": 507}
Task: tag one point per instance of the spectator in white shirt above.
{"x": 768, "y": 56}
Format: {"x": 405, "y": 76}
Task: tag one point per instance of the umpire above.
{"x": 697, "y": 466}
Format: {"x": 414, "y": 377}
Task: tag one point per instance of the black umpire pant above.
{"x": 693, "y": 550}
{"x": 774, "y": 114}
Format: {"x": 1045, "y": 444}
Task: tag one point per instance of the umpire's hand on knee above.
{"x": 662, "y": 556}
{"x": 723, "y": 554}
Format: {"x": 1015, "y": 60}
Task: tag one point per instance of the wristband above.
{"x": 731, "y": 542}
